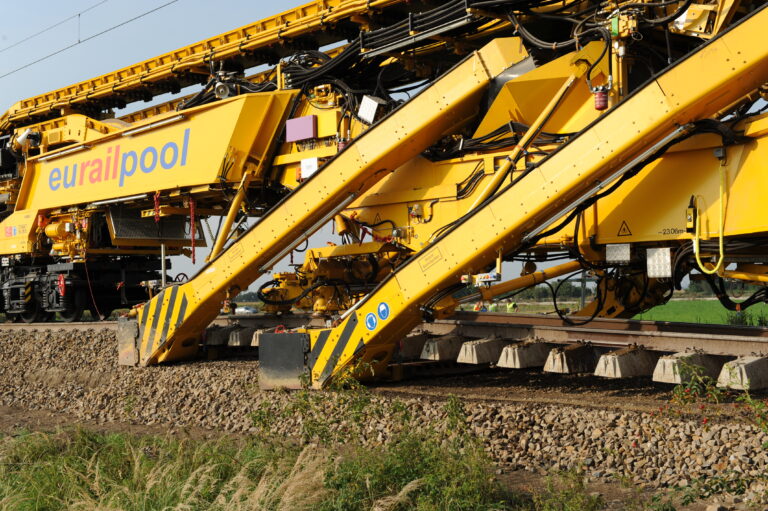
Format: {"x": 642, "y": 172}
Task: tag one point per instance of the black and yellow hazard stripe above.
{"x": 29, "y": 292}
{"x": 158, "y": 319}
{"x": 323, "y": 361}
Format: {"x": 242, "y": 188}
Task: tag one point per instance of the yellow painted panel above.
{"x": 17, "y": 232}
{"x": 328, "y": 123}
{"x": 523, "y": 98}
{"x": 652, "y": 205}
{"x": 184, "y": 153}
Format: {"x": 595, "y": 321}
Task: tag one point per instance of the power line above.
{"x": 76, "y": 15}
{"x": 87, "y": 39}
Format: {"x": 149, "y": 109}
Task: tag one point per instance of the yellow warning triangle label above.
{"x": 624, "y": 229}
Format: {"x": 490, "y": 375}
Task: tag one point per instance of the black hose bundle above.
{"x": 506, "y": 135}
{"x": 717, "y": 284}
{"x": 272, "y": 283}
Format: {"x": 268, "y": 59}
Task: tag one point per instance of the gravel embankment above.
{"x": 77, "y": 373}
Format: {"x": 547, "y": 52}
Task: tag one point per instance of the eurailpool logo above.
{"x": 119, "y": 166}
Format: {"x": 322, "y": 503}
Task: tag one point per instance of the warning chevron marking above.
{"x": 624, "y": 229}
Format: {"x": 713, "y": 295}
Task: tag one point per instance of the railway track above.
{"x": 59, "y": 325}
{"x": 725, "y": 340}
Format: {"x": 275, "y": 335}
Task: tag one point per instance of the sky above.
{"x": 170, "y": 27}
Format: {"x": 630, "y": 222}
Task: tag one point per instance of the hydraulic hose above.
{"x": 697, "y": 233}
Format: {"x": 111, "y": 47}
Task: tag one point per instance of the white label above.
{"x": 308, "y": 167}
{"x": 367, "y": 111}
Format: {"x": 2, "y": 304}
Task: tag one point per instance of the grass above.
{"x": 85, "y": 470}
{"x": 683, "y": 311}
{"x": 703, "y": 311}
{"x": 567, "y": 492}
{"x": 415, "y": 471}
{"x": 425, "y": 467}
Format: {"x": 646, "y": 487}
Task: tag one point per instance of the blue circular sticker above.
{"x": 383, "y": 311}
{"x": 371, "y": 321}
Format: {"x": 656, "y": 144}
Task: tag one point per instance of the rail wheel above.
{"x": 75, "y": 310}
{"x": 34, "y": 314}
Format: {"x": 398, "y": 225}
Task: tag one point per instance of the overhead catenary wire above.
{"x": 61, "y": 50}
{"x": 51, "y": 27}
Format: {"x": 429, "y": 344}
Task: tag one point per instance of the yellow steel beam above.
{"x": 716, "y": 75}
{"x": 301, "y": 21}
{"x": 170, "y": 325}
{"x": 489, "y": 293}
{"x": 741, "y": 275}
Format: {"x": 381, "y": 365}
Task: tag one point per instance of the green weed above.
{"x": 730, "y": 482}
{"x": 696, "y": 386}
{"x": 423, "y": 467}
{"x": 705, "y": 311}
{"x": 567, "y": 492}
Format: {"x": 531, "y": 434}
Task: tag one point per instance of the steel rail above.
{"x": 726, "y": 340}
{"x": 632, "y": 325}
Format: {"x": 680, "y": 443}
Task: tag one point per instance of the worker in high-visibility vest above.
{"x": 494, "y": 307}
{"x": 511, "y": 307}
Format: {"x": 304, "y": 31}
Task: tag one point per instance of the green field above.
{"x": 705, "y": 311}
{"x": 684, "y": 311}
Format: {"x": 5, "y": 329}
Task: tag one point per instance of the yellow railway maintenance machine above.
{"x": 91, "y": 205}
{"x": 623, "y": 138}
{"x": 688, "y": 98}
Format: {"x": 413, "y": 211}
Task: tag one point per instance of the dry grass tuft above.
{"x": 403, "y": 497}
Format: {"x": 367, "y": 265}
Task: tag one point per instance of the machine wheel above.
{"x": 34, "y": 315}
{"x": 75, "y": 311}
{"x": 72, "y": 315}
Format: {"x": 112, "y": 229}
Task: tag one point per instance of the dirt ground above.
{"x": 535, "y": 386}
{"x": 617, "y": 497}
